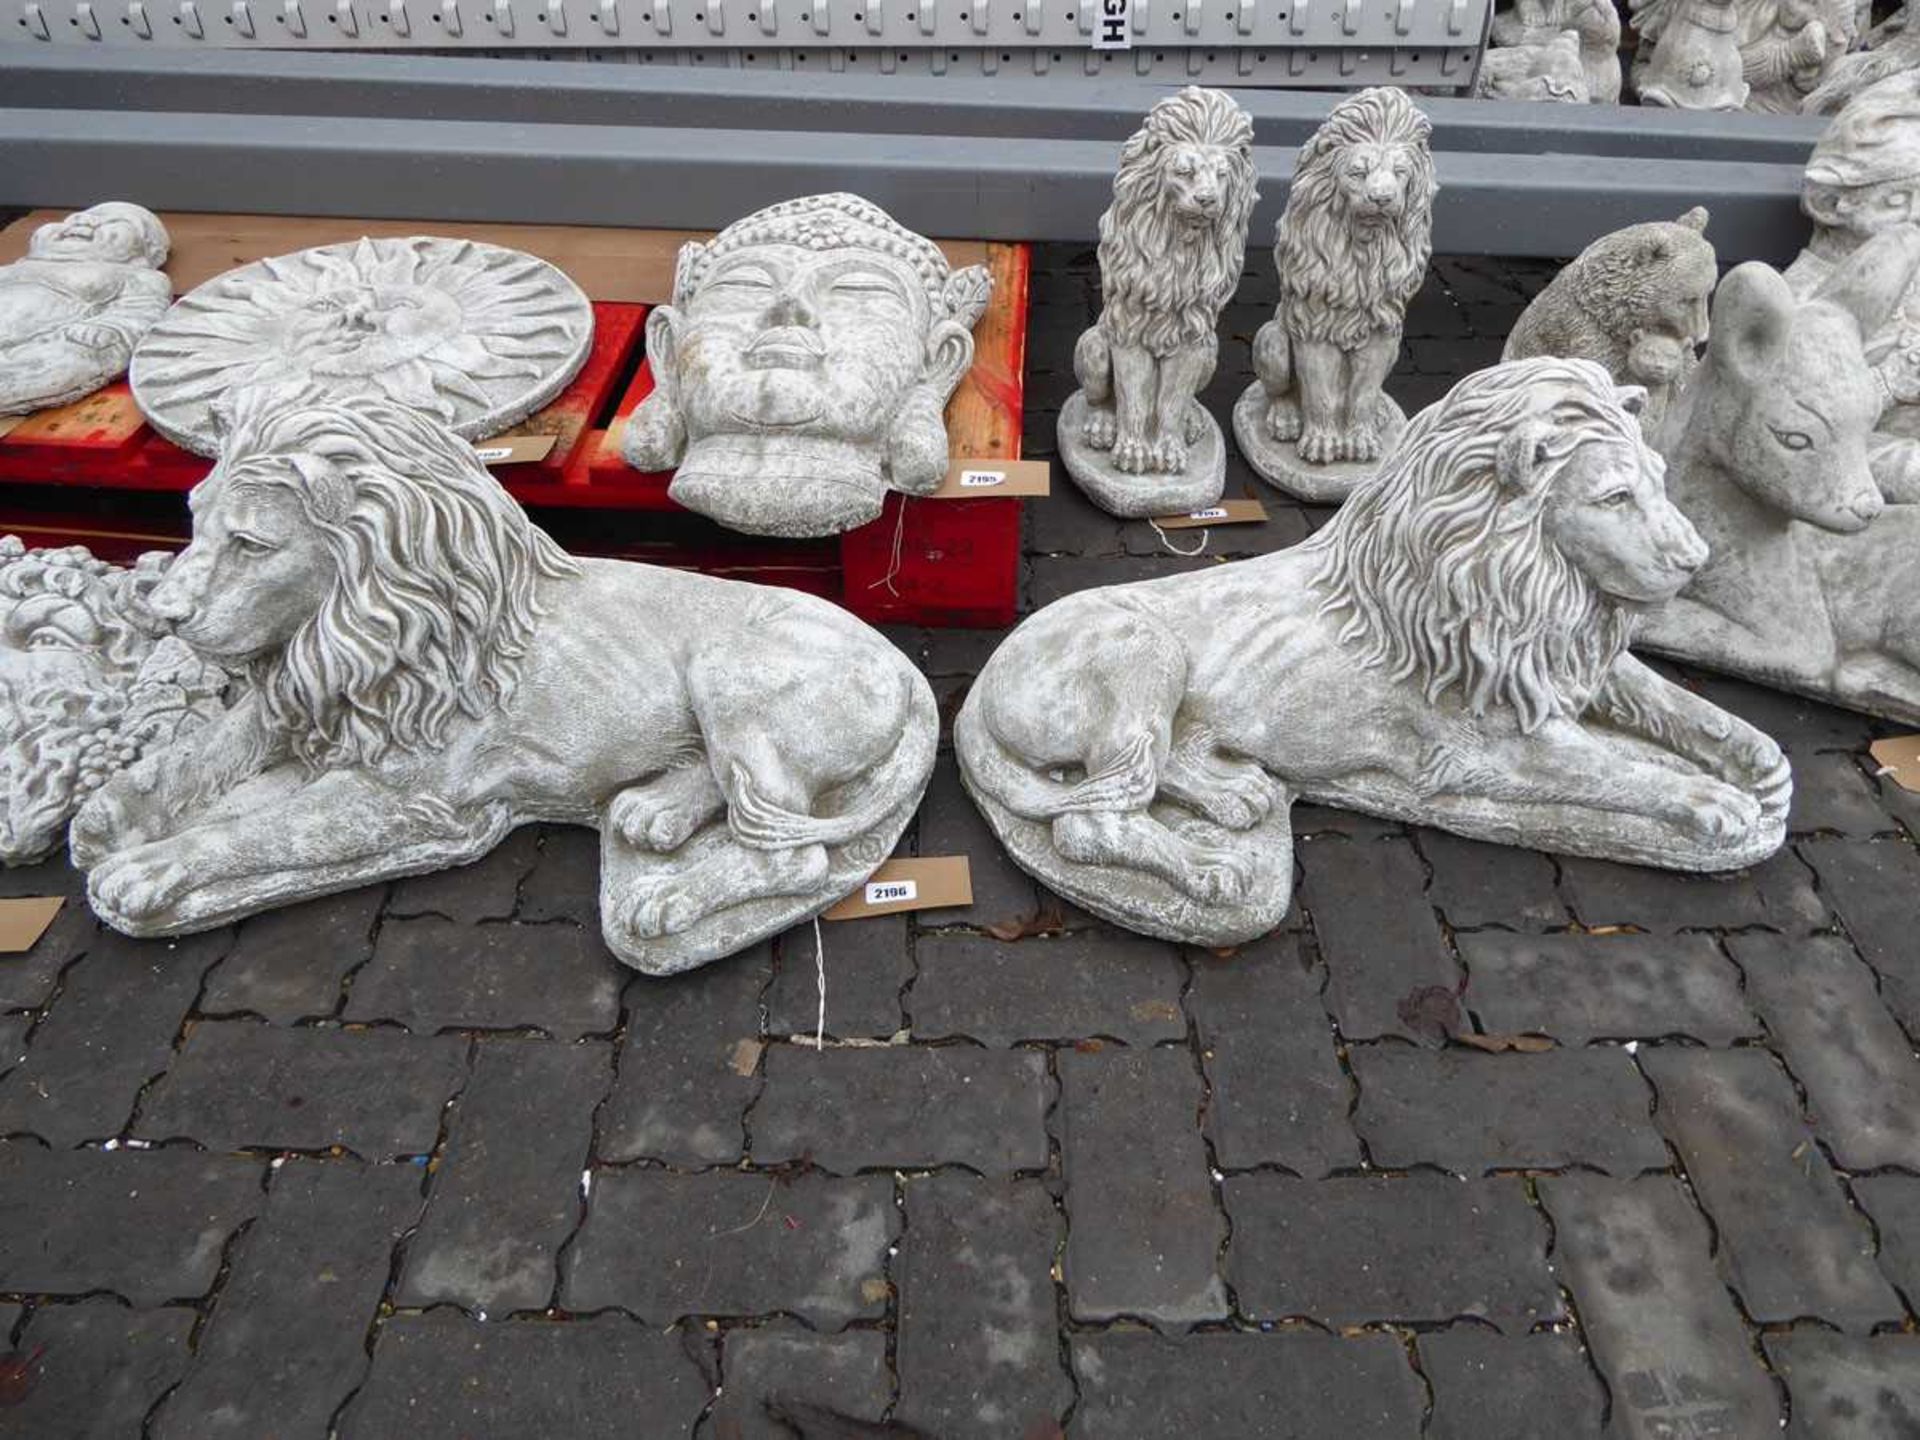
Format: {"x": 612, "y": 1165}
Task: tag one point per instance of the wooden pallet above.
{"x": 70, "y": 474}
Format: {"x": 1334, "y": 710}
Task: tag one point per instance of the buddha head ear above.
{"x": 949, "y": 356}
{"x": 917, "y": 441}
{"x": 656, "y": 433}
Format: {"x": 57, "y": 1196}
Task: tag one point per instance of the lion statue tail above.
{"x": 1273, "y": 356}
{"x": 900, "y": 779}
{"x": 988, "y": 767}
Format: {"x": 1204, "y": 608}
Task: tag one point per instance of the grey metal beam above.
{"x": 445, "y": 171}
{"x": 1066, "y": 107}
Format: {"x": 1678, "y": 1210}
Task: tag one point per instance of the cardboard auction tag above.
{"x": 108, "y": 415}
{"x": 985, "y": 479}
{"x": 1898, "y": 757}
{"x": 515, "y": 449}
{"x": 24, "y": 921}
{"x": 930, "y": 882}
{"x": 8, "y": 422}
{"x": 1227, "y": 512}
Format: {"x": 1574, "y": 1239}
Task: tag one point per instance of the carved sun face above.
{"x": 473, "y": 334}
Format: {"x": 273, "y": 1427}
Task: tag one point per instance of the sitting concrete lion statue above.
{"x": 427, "y": 670}
{"x": 1351, "y": 250}
{"x": 1171, "y": 249}
{"x": 1450, "y": 650}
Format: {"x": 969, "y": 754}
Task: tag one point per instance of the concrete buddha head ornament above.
{"x": 804, "y": 366}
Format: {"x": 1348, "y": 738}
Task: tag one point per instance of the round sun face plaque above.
{"x": 475, "y": 335}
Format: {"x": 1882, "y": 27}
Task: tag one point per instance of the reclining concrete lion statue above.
{"x": 1450, "y": 649}
{"x": 426, "y": 670}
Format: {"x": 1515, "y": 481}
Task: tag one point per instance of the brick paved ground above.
{"x": 424, "y": 1162}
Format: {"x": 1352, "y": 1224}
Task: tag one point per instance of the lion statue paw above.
{"x": 1283, "y": 419}
{"x": 1716, "y": 811}
{"x": 1100, "y": 428}
{"x": 1319, "y": 445}
{"x": 1218, "y": 876}
{"x": 1194, "y": 426}
{"x": 655, "y": 909}
{"x": 1168, "y": 455}
{"x": 140, "y": 885}
{"x": 1132, "y": 455}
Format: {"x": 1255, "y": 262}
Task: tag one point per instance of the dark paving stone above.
{"x": 9, "y": 1318}
{"x": 1510, "y": 1387}
{"x": 1777, "y": 893}
{"x": 1146, "y": 1230}
{"x": 1279, "y": 1095}
{"x": 846, "y": 1373}
{"x": 27, "y": 981}
{"x": 1475, "y": 884}
{"x": 867, "y": 964}
{"x": 906, "y": 1107}
{"x": 1067, "y": 523}
{"x": 564, "y": 883}
{"x": 687, "y": 1070}
{"x": 957, "y": 652}
{"x": 1894, "y": 1203}
{"x": 950, "y": 825}
{"x": 979, "y": 1355}
{"x": 1871, "y": 885}
{"x": 1376, "y": 931}
{"x": 1789, "y": 1243}
{"x": 1858, "y": 1068}
{"x": 1134, "y": 1385}
{"x": 728, "y": 1242}
{"x": 13, "y": 1040}
{"x": 1578, "y": 988}
{"x": 1844, "y": 1388}
{"x": 1415, "y": 1249}
{"x": 1832, "y": 793}
{"x": 110, "y": 1032}
{"x": 507, "y": 1193}
{"x": 488, "y": 889}
{"x": 289, "y": 964}
{"x": 378, "y": 1093}
{"x": 1801, "y": 726}
{"x": 1470, "y": 1113}
{"x": 431, "y": 974}
{"x": 1310, "y": 822}
{"x": 1054, "y": 578}
{"x": 101, "y": 1369}
{"x": 1663, "y": 1330}
{"x": 1062, "y": 987}
{"x": 287, "y": 1342}
{"x": 441, "y": 1376}
{"x": 148, "y": 1225}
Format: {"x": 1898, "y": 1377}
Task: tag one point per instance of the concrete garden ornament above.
{"x": 1595, "y": 24}
{"x": 1134, "y": 436}
{"x": 1761, "y": 55}
{"x": 73, "y": 309}
{"x": 87, "y": 686}
{"x": 1635, "y": 301}
{"x": 1548, "y": 70}
{"x": 1814, "y": 581}
{"x": 426, "y": 670}
{"x": 477, "y": 336}
{"x": 804, "y": 367}
{"x": 1450, "y": 650}
{"x": 1351, "y": 249}
{"x": 1891, "y": 48}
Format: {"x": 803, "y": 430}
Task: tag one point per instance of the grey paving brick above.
{"x": 1790, "y": 1244}
{"x": 28, "y": 980}
{"x": 1054, "y": 578}
{"x": 1311, "y": 822}
{"x": 1578, "y": 988}
{"x": 431, "y": 974}
{"x": 488, "y": 889}
{"x": 1134, "y": 1385}
{"x": 1777, "y": 893}
{"x": 287, "y": 1341}
{"x": 1475, "y": 884}
{"x": 1415, "y": 1249}
{"x": 950, "y": 825}
{"x": 507, "y": 1193}
{"x": 1849, "y": 1388}
{"x": 1376, "y": 931}
{"x": 1858, "y": 1068}
{"x": 687, "y": 1069}
{"x": 288, "y": 965}
{"x": 1832, "y": 793}
{"x": 782, "y": 1361}
{"x": 867, "y": 963}
{"x": 236, "y": 1084}
{"x": 727, "y": 1242}
{"x": 1060, "y": 987}
{"x": 13, "y": 1040}
{"x": 1145, "y": 1228}
{"x": 1279, "y": 1095}
{"x": 1800, "y": 725}
{"x": 1510, "y": 1387}
{"x": 441, "y": 1376}
{"x": 907, "y": 1107}
{"x": 1893, "y": 1201}
{"x": 9, "y": 1318}
{"x": 111, "y": 1031}
{"x": 978, "y": 1351}
{"x": 1067, "y": 523}
{"x": 1471, "y": 1113}
{"x": 148, "y": 1225}
{"x": 101, "y": 1367}
{"x": 1871, "y": 885}
{"x": 1663, "y": 1330}
{"x": 564, "y": 883}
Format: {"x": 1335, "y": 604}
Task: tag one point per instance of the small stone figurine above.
{"x": 1547, "y": 70}
{"x": 1134, "y": 436}
{"x": 1596, "y": 27}
{"x": 1449, "y": 650}
{"x": 1351, "y": 249}
{"x": 74, "y": 308}
{"x": 1760, "y": 55}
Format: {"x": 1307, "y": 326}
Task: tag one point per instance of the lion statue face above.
{"x": 1609, "y": 514}
{"x": 1195, "y": 181}
{"x": 1373, "y": 182}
